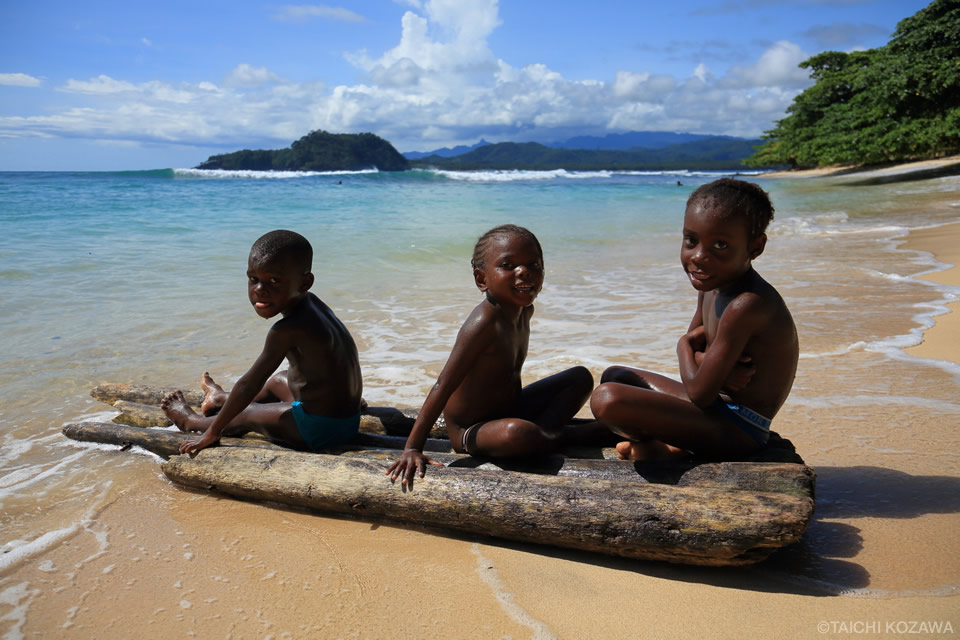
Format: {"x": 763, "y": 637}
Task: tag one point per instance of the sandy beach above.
{"x": 158, "y": 561}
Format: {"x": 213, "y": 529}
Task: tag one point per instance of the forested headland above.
{"x": 896, "y": 103}
{"x": 317, "y": 151}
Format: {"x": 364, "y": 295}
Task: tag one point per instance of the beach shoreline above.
{"x": 943, "y": 242}
{"x": 902, "y": 170}
{"x": 156, "y": 560}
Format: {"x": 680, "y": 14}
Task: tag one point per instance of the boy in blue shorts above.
{"x": 313, "y": 404}
{"x": 739, "y": 356}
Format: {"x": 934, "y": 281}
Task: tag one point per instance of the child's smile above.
{"x": 512, "y": 272}
{"x": 716, "y": 249}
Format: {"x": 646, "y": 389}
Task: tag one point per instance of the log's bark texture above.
{"x": 166, "y": 443}
{"x": 140, "y": 415}
{"x": 725, "y": 513}
{"x": 159, "y": 441}
{"x": 685, "y": 524}
{"x": 141, "y": 394}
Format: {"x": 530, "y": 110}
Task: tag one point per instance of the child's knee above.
{"x": 602, "y": 399}
{"x": 582, "y": 378}
{"x": 612, "y": 374}
{"x": 523, "y": 436}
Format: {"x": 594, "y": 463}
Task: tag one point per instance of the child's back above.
{"x": 324, "y": 369}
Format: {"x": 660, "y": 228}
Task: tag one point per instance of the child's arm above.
{"x": 474, "y": 337}
{"x": 275, "y": 349}
{"x": 704, "y": 377}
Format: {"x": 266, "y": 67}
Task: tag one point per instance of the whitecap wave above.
{"x": 223, "y": 173}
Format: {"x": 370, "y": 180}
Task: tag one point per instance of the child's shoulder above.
{"x": 311, "y": 311}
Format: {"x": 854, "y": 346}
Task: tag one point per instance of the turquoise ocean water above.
{"x": 140, "y": 277}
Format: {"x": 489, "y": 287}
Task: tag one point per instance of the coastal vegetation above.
{"x": 894, "y": 103}
{"x": 713, "y": 152}
{"x": 317, "y": 151}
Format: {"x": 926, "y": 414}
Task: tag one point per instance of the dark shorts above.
{"x": 749, "y": 421}
{"x": 321, "y": 431}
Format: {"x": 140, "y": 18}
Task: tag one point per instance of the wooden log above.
{"x": 159, "y": 441}
{"x": 135, "y": 414}
{"x": 141, "y": 394}
{"x": 791, "y": 478}
{"x": 693, "y": 525}
{"x": 166, "y": 443}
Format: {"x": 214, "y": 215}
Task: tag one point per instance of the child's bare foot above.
{"x": 213, "y": 395}
{"x": 649, "y": 450}
{"x": 177, "y": 409}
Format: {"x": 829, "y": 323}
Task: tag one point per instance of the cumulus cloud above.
{"x": 777, "y": 67}
{"x": 100, "y": 85}
{"x": 246, "y": 76}
{"x": 19, "y": 80}
{"x": 441, "y": 85}
{"x": 303, "y": 13}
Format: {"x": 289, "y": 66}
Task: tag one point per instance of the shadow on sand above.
{"x": 822, "y": 563}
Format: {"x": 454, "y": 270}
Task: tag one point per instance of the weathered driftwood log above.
{"x": 141, "y": 394}
{"x": 748, "y": 476}
{"x": 159, "y": 441}
{"x": 139, "y": 405}
{"x": 693, "y": 525}
{"x": 764, "y": 477}
{"x": 166, "y": 443}
{"x": 135, "y": 414}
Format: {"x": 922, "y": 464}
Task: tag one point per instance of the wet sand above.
{"x": 160, "y": 561}
{"x": 942, "y": 341}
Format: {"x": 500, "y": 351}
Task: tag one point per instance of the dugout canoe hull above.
{"x": 726, "y": 513}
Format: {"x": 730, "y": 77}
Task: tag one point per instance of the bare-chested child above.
{"x": 314, "y": 403}
{"x": 738, "y": 358}
{"x": 486, "y": 408}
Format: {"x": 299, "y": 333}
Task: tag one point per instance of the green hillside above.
{"x": 317, "y": 151}
{"x": 712, "y": 153}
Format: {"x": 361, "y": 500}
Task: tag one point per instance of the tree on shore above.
{"x": 894, "y": 103}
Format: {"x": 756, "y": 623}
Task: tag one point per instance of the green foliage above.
{"x": 317, "y": 151}
{"x": 712, "y": 153}
{"x": 898, "y": 102}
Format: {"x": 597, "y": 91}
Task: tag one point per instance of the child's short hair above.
{"x": 737, "y": 197}
{"x": 483, "y": 241}
{"x": 282, "y": 244}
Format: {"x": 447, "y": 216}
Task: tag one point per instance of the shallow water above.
{"x": 140, "y": 277}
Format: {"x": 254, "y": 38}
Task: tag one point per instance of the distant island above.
{"x": 638, "y": 150}
{"x": 316, "y": 151}
{"x": 701, "y": 153}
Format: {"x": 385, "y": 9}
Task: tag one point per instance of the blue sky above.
{"x": 143, "y": 85}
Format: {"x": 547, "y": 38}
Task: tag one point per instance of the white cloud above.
{"x": 440, "y": 85}
{"x": 777, "y": 67}
{"x": 643, "y": 87}
{"x": 245, "y": 76}
{"x": 304, "y": 12}
{"x": 100, "y": 85}
{"x": 19, "y": 80}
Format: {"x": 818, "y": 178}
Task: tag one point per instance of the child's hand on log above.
{"x": 411, "y": 461}
{"x": 192, "y": 446}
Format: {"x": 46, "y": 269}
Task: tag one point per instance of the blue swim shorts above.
{"x": 321, "y": 431}
{"x": 754, "y": 424}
